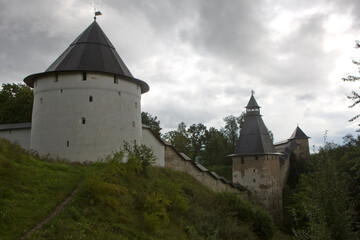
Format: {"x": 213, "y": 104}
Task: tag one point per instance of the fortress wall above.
{"x": 176, "y": 161}
{"x": 19, "y": 136}
{"x": 261, "y": 176}
{"x": 149, "y": 139}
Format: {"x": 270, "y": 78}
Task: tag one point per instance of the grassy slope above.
{"x": 118, "y": 201}
{"x": 30, "y": 189}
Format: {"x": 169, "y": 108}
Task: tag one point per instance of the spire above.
{"x": 252, "y": 106}
{"x": 91, "y": 51}
{"x": 254, "y": 137}
{"x": 298, "y": 134}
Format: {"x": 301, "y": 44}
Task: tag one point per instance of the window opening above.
{"x": 136, "y": 105}
{"x": 41, "y": 100}
{"x": 116, "y": 80}
{"x": 82, "y": 120}
{"x": 67, "y": 143}
{"x": 84, "y": 76}
{"x": 119, "y": 93}
{"x": 56, "y": 77}
{"x": 242, "y": 160}
{"x": 133, "y": 123}
{"x": 61, "y": 91}
{"x": 90, "y": 98}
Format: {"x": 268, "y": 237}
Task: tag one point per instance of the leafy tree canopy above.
{"x": 16, "y": 102}
{"x": 151, "y": 122}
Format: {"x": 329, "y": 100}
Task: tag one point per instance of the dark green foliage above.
{"x": 151, "y": 122}
{"x": 16, "y": 102}
{"x": 216, "y": 149}
{"x": 322, "y": 207}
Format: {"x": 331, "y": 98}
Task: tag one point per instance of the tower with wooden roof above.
{"x": 302, "y": 141}
{"x": 256, "y": 162}
{"x": 87, "y": 103}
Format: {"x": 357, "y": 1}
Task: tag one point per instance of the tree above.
{"x": 231, "y": 130}
{"x": 322, "y": 208}
{"x": 355, "y": 97}
{"x": 197, "y": 137}
{"x": 179, "y": 139}
{"x": 215, "y": 148}
{"x": 151, "y": 122}
{"x": 16, "y": 103}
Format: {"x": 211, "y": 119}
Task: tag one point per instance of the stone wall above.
{"x": 261, "y": 175}
{"x": 180, "y": 162}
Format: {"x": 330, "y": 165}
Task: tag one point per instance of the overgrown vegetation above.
{"x": 119, "y": 200}
{"x": 322, "y": 200}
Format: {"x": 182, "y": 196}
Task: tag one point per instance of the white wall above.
{"x": 20, "y": 136}
{"x": 154, "y": 143}
{"x": 112, "y": 117}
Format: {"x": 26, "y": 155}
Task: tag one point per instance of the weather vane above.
{"x": 96, "y": 12}
{"x": 252, "y": 92}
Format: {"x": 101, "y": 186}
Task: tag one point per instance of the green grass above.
{"x": 30, "y": 189}
{"x": 119, "y": 201}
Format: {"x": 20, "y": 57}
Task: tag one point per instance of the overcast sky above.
{"x": 202, "y": 58}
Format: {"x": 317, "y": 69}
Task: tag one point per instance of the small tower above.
{"x": 256, "y": 162}
{"x": 87, "y": 102}
{"x": 302, "y": 151}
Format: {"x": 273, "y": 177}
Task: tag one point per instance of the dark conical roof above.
{"x": 91, "y": 51}
{"x": 298, "y": 134}
{"x": 254, "y": 136}
{"x": 252, "y": 103}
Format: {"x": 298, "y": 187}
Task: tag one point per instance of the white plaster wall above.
{"x": 151, "y": 141}
{"x": 112, "y": 117}
{"x": 20, "y": 136}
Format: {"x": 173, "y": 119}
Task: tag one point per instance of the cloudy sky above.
{"x": 202, "y": 58}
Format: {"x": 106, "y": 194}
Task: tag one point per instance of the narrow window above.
{"x": 254, "y": 170}
{"x": 242, "y": 160}
{"x": 41, "y": 100}
{"x": 10, "y": 131}
{"x": 56, "y": 78}
{"x": 256, "y": 157}
{"x": 84, "y": 76}
{"x": 67, "y": 143}
{"x": 136, "y": 105}
{"x": 90, "y": 98}
{"x": 133, "y": 124}
{"x": 116, "y": 80}
{"x": 119, "y": 93}
{"x": 254, "y": 180}
{"x": 61, "y": 91}
{"x": 82, "y": 120}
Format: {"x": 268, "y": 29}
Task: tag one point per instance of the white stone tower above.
{"x": 87, "y": 102}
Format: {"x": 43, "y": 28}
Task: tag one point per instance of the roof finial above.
{"x": 96, "y": 12}
{"x": 252, "y": 92}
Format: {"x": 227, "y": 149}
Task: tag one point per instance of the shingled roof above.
{"x": 91, "y": 51}
{"x": 298, "y": 134}
{"x": 254, "y": 137}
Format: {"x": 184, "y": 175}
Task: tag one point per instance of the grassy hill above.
{"x": 118, "y": 201}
